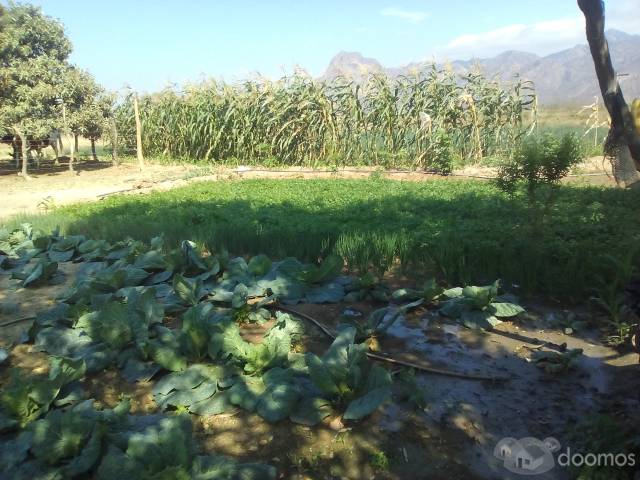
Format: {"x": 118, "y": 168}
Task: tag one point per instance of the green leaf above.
{"x": 259, "y": 265}
{"x": 479, "y": 320}
{"x": 167, "y": 356}
{"x": 40, "y": 272}
{"x": 197, "y": 329}
{"x": 187, "y": 397}
{"x": 311, "y": 411}
{"x": 15, "y": 451}
{"x": 137, "y": 371}
{"x": 151, "y": 260}
{"x": 219, "y": 403}
{"x": 277, "y": 402}
{"x": 506, "y": 310}
{"x": 328, "y": 269}
{"x": 189, "y": 291}
{"x": 246, "y": 393}
{"x": 186, "y": 380}
{"x": 320, "y": 375}
{"x": 61, "y": 257}
{"x": 114, "y": 325}
{"x": 366, "y": 404}
{"x": 224, "y": 468}
{"x": 64, "y": 370}
{"x": 59, "y": 436}
{"x": 240, "y": 296}
{"x": 87, "y": 458}
{"x": 454, "y": 292}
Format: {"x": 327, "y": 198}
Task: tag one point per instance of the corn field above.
{"x": 424, "y": 120}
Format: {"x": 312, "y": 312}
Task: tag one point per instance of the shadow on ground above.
{"x": 464, "y": 232}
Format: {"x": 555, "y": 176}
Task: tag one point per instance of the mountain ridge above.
{"x": 563, "y": 77}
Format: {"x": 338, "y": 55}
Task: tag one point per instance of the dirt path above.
{"x": 52, "y": 186}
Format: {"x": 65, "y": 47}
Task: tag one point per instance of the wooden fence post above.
{"x": 114, "y": 142}
{"x": 138, "y": 132}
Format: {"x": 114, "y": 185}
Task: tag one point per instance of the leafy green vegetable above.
{"x": 197, "y": 324}
{"x": 259, "y": 265}
{"x": 271, "y": 352}
{"x": 39, "y": 273}
{"x": 557, "y": 362}
{"x": 478, "y": 307}
{"x": 27, "y": 397}
{"x": 190, "y": 291}
{"x": 328, "y": 269}
{"x": 345, "y": 377}
{"x": 429, "y": 292}
{"x": 367, "y": 287}
{"x": 379, "y": 321}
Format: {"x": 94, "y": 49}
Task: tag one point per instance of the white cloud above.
{"x": 542, "y": 37}
{"x": 411, "y": 16}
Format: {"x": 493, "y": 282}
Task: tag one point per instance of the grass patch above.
{"x": 467, "y": 231}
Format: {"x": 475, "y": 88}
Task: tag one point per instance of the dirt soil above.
{"x": 52, "y": 185}
{"x": 451, "y": 438}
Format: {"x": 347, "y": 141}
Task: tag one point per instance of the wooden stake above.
{"x": 138, "y": 132}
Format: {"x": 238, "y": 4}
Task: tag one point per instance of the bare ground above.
{"x": 52, "y": 185}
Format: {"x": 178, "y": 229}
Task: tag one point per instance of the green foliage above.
{"x": 344, "y": 376}
{"x": 37, "y": 273}
{"x": 419, "y": 120}
{"x": 478, "y": 307}
{"x": 379, "y": 461}
{"x": 539, "y": 161}
{"x": 26, "y": 397}
{"x": 468, "y": 232}
{"x": 557, "y": 362}
{"x": 429, "y": 292}
{"x": 256, "y": 358}
{"x": 604, "y": 434}
{"x": 37, "y": 82}
{"x": 609, "y": 296}
{"x": 366, "y": 287}
{"x": 380, "y": 320}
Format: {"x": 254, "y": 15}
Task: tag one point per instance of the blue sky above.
{"x": 147, "y": 44}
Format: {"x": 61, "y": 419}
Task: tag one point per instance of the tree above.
{"x": 622, "y": 133}
{"x": 33, "y": 55}
{"x": 86, "y": 106}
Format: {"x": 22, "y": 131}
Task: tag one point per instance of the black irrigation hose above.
{"x": 13, "y": 322}
{"x": 438, "y": 371}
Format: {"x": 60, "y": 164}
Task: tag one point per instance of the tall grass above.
{"x": 297, "y": 120}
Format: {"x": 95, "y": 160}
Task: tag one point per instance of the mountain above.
{"x": 352, "y": 65}
{"x": 565, "y": 77}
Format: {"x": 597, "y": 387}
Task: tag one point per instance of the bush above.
{"x": 539, "y": 161}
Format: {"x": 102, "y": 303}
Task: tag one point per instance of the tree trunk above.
{"x": 93, "y": 150}
{"x": 622, "y": 131}
{"x": 138, "y": 132}
{"x": 72, "y": 153}
{"x": 114, "y": 142}
{"x": 23, "y": 151}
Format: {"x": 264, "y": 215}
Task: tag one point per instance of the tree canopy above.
{"x": 37, "y": 81}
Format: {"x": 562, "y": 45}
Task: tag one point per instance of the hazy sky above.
{"x": 148, "y": 44}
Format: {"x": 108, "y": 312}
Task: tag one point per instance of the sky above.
{"x": 148, "y": 44}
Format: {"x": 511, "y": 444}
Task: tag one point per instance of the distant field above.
{"x": 463, "y": 231}
{"x": 570, "y": 119}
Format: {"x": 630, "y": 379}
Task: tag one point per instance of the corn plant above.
{"x": 297, "y": 120}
